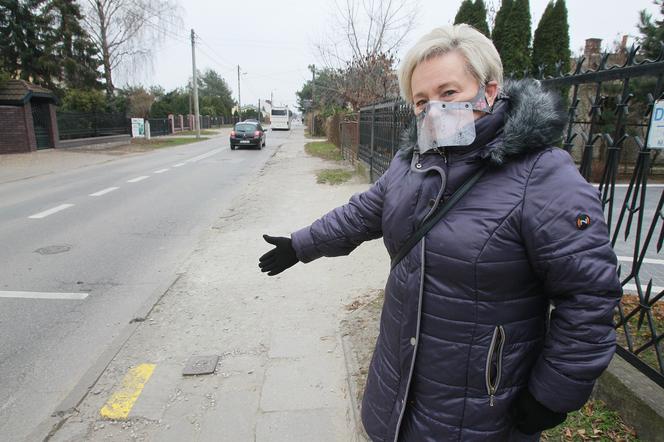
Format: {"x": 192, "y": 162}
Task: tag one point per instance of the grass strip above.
{"x": 595, "y": 421}
{"x": 323, "y": 149}
{"x": 333, "y": 176}
{"x": 193, "y": 132}
{"x": 158, "y": 143}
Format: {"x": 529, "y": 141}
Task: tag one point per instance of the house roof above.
{"x": 19, "y": 92}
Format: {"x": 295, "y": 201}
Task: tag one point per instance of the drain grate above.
{"x": 197, "y": 365}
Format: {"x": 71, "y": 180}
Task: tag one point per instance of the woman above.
{"x": 467, "y": 349}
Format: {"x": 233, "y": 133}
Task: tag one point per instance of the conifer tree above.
{"x": 473, "y": 14}
{"x": 515, "y": 50}
{"x": 76, "y": 57}
{"x": 21, "y": 49}
{"x": 465, "y": 13}
{"x": 561, "y": 33}
{"x": 544, "y": 51}
{"x": 42, "y": 41}
{"x": 652, "y": 31}
{"x": 551, "y": 41}
{"x": 479, "y": 17}
{"x": 498, "y": 33}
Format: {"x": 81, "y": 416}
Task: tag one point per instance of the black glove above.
{"x": 531, "y": 417}
{"x": 278, "y": 259}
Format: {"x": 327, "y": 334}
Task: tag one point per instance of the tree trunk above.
{"x": 105, "y": 53}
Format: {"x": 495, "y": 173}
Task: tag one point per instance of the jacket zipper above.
{"x": 497, "y": 340}
{"x": 417, "y": 337}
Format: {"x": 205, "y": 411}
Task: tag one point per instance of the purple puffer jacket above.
{"x": 465, "y": 321}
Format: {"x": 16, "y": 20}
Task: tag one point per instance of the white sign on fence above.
{"x": 656, "y": 134}
{"x": 137, "y": 127}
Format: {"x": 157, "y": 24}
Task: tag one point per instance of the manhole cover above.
{"x": 200, "y": 365}
{"x": 53, "y": 250}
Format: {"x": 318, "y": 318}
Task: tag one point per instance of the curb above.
{"x": 50, "y": 426}
{"x": 638, "y": 400}
{"x": 352, "y": 368}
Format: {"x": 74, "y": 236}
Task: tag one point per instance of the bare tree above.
{"x": 370, "y": 28}
{"x": 362, "y": 57}
{"x": 124, "y": 31}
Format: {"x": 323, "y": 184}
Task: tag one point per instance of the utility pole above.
{"x": 260, "y": 114}
{"x": 197, "y": 123}
{"x": 189, "y": 100}
{"x": 313, "y": 100}
{"x": 239, "y": 99}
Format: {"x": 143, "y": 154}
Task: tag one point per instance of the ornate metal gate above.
{"x": 41, "y": 121}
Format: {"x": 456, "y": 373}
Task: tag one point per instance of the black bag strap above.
{"x": 429, "y": 223}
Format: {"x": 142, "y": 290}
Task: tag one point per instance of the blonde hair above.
{"x": 483, "y": 61}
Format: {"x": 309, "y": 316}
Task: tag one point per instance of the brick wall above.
{"x": 16, "y": 131}
{"x": 53, "y": 132}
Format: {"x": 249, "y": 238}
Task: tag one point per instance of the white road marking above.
{"x": 161, "y": 170}
{"x": 632, "y": 288}
{"x": 43, "y": 295}
{"x": 137, "y": 179}
{"x": 179, "y": 164}
{"x": 653, "y": 186}
{"x": 104, "y": 192}
{"x": 48, "y": 212}
{"x": 646, "y": 260}
{"x": 205, "y": 155}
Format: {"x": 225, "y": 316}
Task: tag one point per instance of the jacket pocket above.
{"x": 494, "y": 363}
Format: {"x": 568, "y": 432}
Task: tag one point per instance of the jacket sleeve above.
{"x": 341, "y": 230}
{"x": 577, "y": 266}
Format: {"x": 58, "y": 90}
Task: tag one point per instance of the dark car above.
{"x": 247, "y": 134}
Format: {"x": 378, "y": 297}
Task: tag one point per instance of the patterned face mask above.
{"x": 449, "y": 123}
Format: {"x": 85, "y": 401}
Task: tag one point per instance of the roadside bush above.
{"x": 80, "y": 100}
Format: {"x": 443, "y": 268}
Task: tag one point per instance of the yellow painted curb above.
{"x": 120, "y": 403}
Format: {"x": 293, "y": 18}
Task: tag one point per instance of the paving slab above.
{"x": 320, "y": 425}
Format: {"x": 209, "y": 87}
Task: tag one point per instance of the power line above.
{"x": 215, "y": 60}
{"x": 272, "y": 74}
{"x": 203, "y": 41}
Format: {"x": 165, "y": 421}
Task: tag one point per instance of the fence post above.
{"x": 171, "y": 123}
{"x": 393, "y": 130}
{"x": 341, "y": 139}
{"x": 371, "y": 143}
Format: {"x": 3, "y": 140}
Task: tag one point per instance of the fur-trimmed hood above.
{"x": 526, "y": 117}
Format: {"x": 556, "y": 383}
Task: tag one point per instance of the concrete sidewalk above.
{"x": 281, "y": 375}
{"x": 21, "y": 166}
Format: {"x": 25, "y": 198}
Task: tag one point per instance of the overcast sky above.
{"x": 274, "y": 41}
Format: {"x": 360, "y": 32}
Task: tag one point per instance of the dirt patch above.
{"x": 359, "y": 332}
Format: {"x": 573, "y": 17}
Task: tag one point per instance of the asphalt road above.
{"x": 83, "y": 250}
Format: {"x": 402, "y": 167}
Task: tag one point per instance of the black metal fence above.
{"x": 159, "y": 126}
{"x": 381, "y": 127}
{"x": 349, "y": 134}
{"x": 73, "y": 125}
{"x": 208, "y": 122}
{"x": 609, "y": 109}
